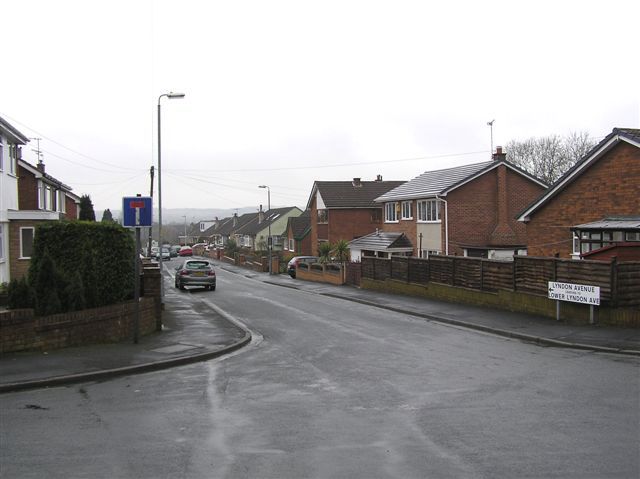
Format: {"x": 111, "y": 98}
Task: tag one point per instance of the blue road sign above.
{"x": 137, "y": 211}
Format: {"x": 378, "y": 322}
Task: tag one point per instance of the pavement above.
{"x": 200, "y": 332}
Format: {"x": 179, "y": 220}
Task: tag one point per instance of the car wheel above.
{"x": 181, "y": 286}
{"x": 212, "y": 288}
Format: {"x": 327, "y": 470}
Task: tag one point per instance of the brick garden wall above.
{"x": 21, "y": 330}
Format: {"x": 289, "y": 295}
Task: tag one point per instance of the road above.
{"x": 334, "y": 389}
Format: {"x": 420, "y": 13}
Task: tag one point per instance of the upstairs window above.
{"x": 407, "y": 210}
{"x": 391, "y": 212}
{"x": 323, "y": 216}
{"x": 428, "y": 211}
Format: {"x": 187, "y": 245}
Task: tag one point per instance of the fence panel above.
{"x": 467, "y": 272}
{"x": 533, "y": 274}
{"x": 441, "y": 269}
{"x": 418, "y": 270}
{"x": 628, "y": 287}
{"x": 354, "y": 273}
{"x": 594, "y": 273}
{"x": 400, "y": 268}
{"x": 497, "y": 275}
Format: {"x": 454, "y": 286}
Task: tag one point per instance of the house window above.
{"x": 391, "y": 212}
{"x": 632, "y": 235}
{"x": 323, "y": 216}
{"x": 407, "y": 210}
{"x": 12, "y": 159}
{"x": 428, "y": 211}
{"x": 292, "y": 244}
{"x": 62, "y": 203}
{"x": 576, "y": 244}
{"x": 26, "y": 242}
{"x": 425, "y": 253}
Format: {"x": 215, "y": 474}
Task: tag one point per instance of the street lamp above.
{"x": 269, "y": 241}
{"x": 169, "y": 95}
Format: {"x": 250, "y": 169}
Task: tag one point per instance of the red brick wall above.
{"x": 473, "y": 211}
{"x": 349, "y": 224}
{"x": 27, "y": 190}
{"x": 71, "y": 208}
{"x": 22, "y": 331}
{"x": 609, "y": 187}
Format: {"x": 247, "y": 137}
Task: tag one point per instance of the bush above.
{"x": 20, "y": 294}
{"x": 90, "y": 264}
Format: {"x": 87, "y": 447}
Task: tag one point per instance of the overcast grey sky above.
{"x": 287, "y": 92}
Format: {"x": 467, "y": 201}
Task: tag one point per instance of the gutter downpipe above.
{"x": 446, "y": 228}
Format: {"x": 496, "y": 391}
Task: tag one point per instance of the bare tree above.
{"x": 548, "y": 158}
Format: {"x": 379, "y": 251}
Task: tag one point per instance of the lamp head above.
{"x": 175, "y": 95}
{"x": 263, "y": 186}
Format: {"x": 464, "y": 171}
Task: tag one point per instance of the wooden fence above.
{"x": 619, "y": 282}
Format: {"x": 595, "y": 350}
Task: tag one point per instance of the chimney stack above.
{"x": 260, "y": 215}
{"x": 379, "y": 178}
{"x": 40, "y": 166}
{"x": 499, "y": 155}
{"x": 356, "y": 182}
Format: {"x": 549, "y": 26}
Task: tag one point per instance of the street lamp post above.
{"x": 169, "y": 95}
{"x": 269, "y": 240}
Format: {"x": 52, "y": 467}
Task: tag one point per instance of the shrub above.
{"x": 97, "y": 258}
{"x": 20, "y": 294}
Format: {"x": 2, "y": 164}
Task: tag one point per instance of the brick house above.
{"x": 41, "y": 198}
{"x": 575, "y": 215}
{"x": 466, "y": 210}
{"x": 345, "y": 210}
{"x": 298, "y": 235}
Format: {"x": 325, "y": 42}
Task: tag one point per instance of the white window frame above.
{"x": 576, "y": 244}
{"x": 62, "y": 202}
{"x": 1, "y": 154}
{"x": 407, "y": 210}
{"x": 391, "y": 212}
{"x": 427, "y": 209}
{"x": 33, "y": 235}
{"x": 13, "y": 162}
{"x": 292, "y": 244}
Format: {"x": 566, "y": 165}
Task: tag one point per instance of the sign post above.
{"x": 575, "y": 293}
{"x": 137, "y": 213}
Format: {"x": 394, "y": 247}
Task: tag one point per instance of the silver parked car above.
{"x": 195, "y": 272}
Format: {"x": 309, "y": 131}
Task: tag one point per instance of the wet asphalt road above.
{"x": 336, "y": 389}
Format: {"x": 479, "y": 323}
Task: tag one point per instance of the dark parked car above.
{"x": 195, "y": 272}
{"x": 296, "y": 260}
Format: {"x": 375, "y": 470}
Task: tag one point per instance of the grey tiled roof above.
{"x": 253, "y": 226}
{"x": 433, "y": 183}
{"x": 343, "y": 194}
{"x": 382, "y": 240}
{"x": 613, "y": 223}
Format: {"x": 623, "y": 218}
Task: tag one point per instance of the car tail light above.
{"x": 211, "y": 273}
{"x": 184, "y": 272}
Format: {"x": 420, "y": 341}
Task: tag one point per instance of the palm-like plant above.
{"x": 341, "y": 251}
{"x": 324, "y": 251}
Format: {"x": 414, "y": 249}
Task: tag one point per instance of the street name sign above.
{"x": 575, "y": 293}
{"x": 137, "y": 211}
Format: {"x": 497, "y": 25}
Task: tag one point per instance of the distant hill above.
{"x": 193, "y": 215}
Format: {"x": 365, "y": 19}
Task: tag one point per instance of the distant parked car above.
{"x": 296, "y": 260}
{"x": 166, "y": 255}
{"x": 174, "y": 250}
{"x": 195, "y": 272}
{"x": 185, "y": 251}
